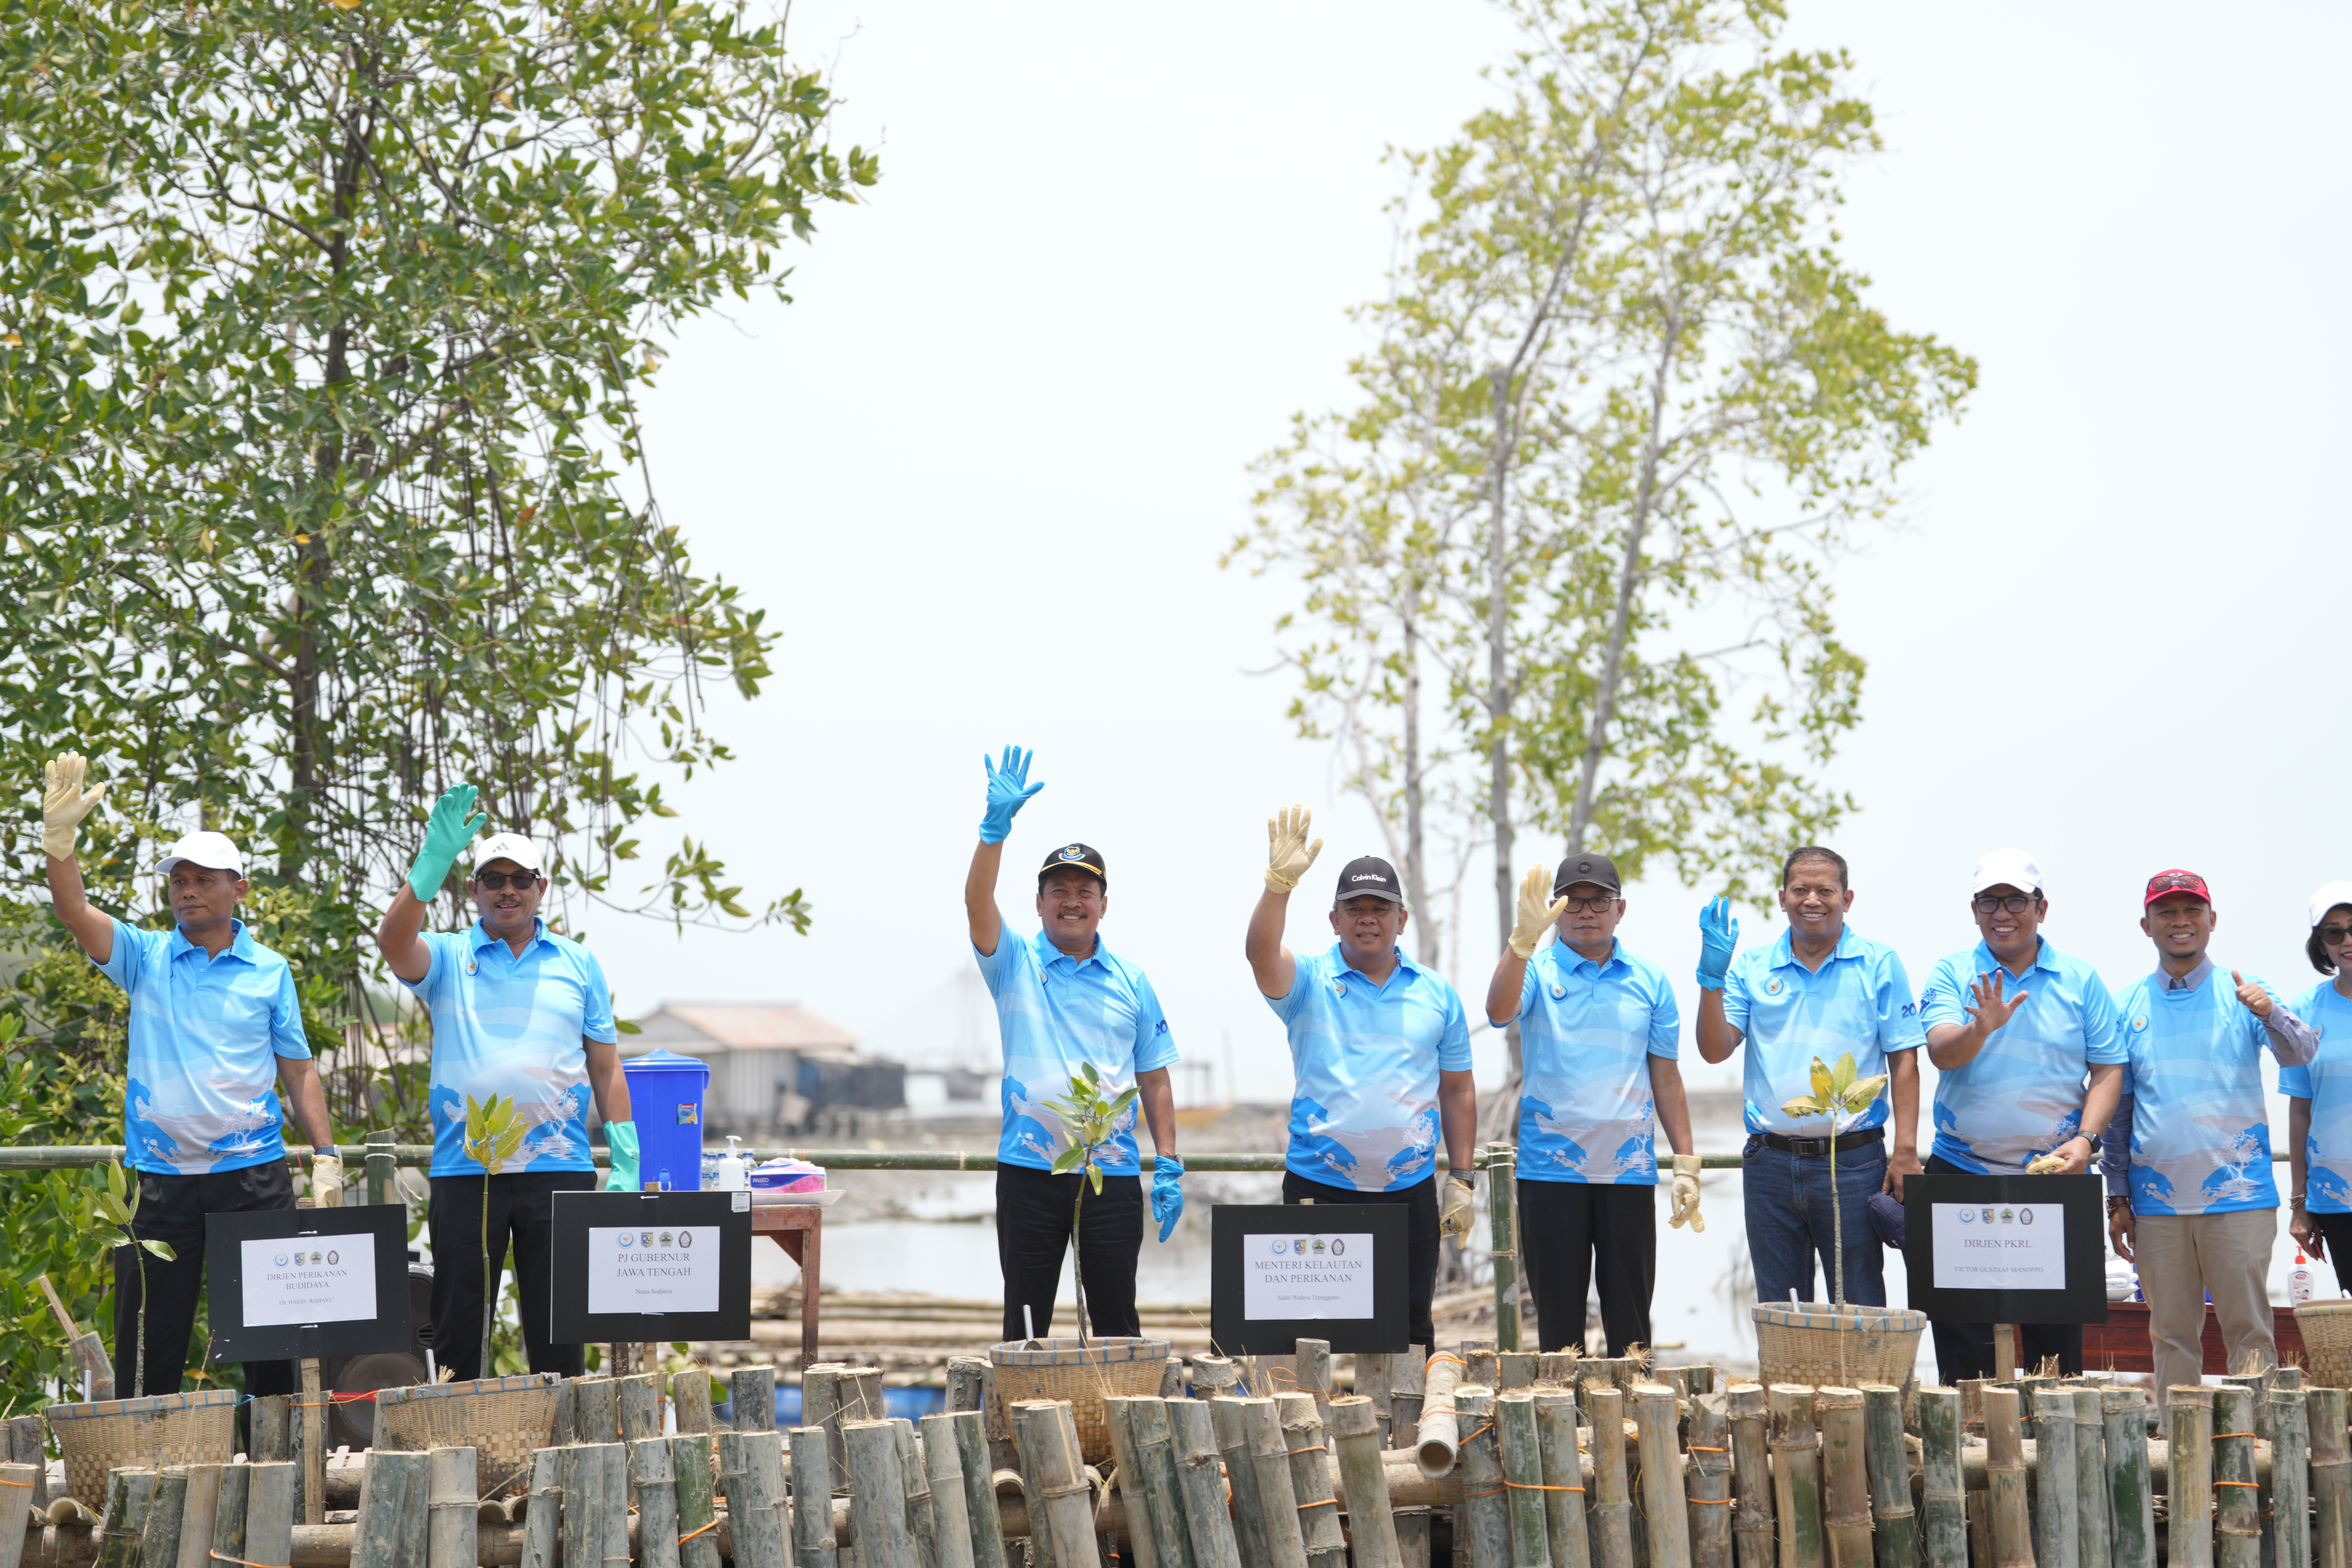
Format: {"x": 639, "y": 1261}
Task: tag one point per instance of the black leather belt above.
{"x": 1815, "y": 1147}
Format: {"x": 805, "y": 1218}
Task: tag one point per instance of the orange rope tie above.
{"x": 1712, "y": 1502}
{"x": 1694, "y": 1448}
{"x": 1444, "y": 1355}
{"x": 1318, "y": 1448}
{"x": 1497, "y": 1493}
{"x": 692, "y": 1533}
{"x": 1324, "y": 1502}
{"x": 10, "y": 1483}
{"x": 1534, "y": 1487}
{"x": 2235, "y": 1435}
{"x": 2237, "y": 1483}
{"x": 225, "y": 1557}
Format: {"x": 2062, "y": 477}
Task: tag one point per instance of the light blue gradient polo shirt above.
{"x": 2201, "y": 1129}
{"x": 1587, "y": 1032}
{"x": 1859, "y": 1002}
{"x": 514, "y": 1026}
{"x": 1366, "y": 1057}
{"x": 2022, "y": 1095}
{"x": 1054, "y": 1014}
{"x": 2326, "y": 1081}
{"x": 206, "y": 1037}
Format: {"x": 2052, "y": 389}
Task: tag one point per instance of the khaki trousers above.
{"x": 2181, "y": 1259}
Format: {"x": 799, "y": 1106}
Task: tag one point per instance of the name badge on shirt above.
{"x": 472, "y": 965}
{"x": 1774, "y": 986}
{"x": 1339, "y": 989}
{"x": 1558, "y": 992}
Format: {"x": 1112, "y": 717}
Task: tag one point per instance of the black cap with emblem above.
{"x": 1076, "y": 857}
{"x": 1597, "y": 870}
{"x": 1367, "y": 876}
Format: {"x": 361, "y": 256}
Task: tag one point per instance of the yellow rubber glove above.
{"x": 2045, "y": 1164}
{"x": 1685, "y": 1194}
{"x": 327, "y": 1181}
{"x": 64, "y": 804}
{"x": 1536, "y": 914}
{"x": 1288, "y": 854}
{"x": 1457, "y": 1208}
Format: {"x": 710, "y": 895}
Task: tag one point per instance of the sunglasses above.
{"x": 498, "y": 881}
{"x": 2334, "y": 935}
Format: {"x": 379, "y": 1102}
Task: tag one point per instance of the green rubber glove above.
{"x": 448, "y": 831}
{"x": 623, "y": 1137}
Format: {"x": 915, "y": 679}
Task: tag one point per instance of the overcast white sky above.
{"x": 980, "y": 472}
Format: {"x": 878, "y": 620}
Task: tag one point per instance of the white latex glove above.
{"x": 1536, "y": 912}
{"x": 327, "y": 1181}
{"x": 1288, "y": 854}
{"x": 1685, "y": 1194}
{"x": 64, "y": 804}
{"x": 1457, "y": 1208}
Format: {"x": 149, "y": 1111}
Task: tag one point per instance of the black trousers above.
{"x": 521, "y": 1211}
{"x": 1032, "y": 1236}
{"x": 1965, "y": 1349}
{"x": 2335, "y": 1230}
{"x": 171, "y": 1209}
{"x": 1572, "y": 1233}
{"x": 1421, "y": 1256}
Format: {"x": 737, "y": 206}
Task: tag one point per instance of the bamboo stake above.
{"x": 1612, "y": 1509}
{"x": 1979, "y": 1521}
{"x": 1503, "y": 1233}
{"x": 2005, "y": 1505}
{"x": 266, "y": 1429}
{"x": 1049, "y": 1444}
{"x": 751, "y": 1465}
{"x": 1489, "y": 1532}
{"x": 229, "y": 1513}
{"x": 2237, "y": 1511}
{"x": 269, "y": 1515}
{"x": 1233, "y": 1445}
{"x": 1376, "y": 1380}
{"x": 1199, "y": 1472}
{"x": 161, "y": 1542}
{"x": 821, "y": 1407}
{"x": 979, "y": 1490}
{"x": 1564, "y": 1492}
{"x": 1312, "y": 1367}
{"x": 2290, "y": 1512}
{"x": 583, "y": 1472}
{"x": 1943, "y": 1507}
{"x": 916, "y": 1478}
{"x": 1665, "y": 1509}
{"x": 1846, "y": 1488}
{"x": 1439, "y": 1433}
{"x": 877, "y": 1498}
{"x": 543, "y": 1511}
{"x": 950, "y": 1509}
{"x": 26, "y": 1447}
{"x": 1890, "y": 1477}
{"x": 196, "y": 1516}
{"x": 639, "y": 1398}
{"x": 2095, "y": 1534}
{"x": 2131, "y": 1495}
{"x": 751, "y": 1398}
{"x": 1355, "y": 1432}
{"x": 1796, "y": 1475}
{"x": 1310, "y": 1474}
{"x": 611, "y": 1498}
{"x": 450, "y": 1539}
{"x": 1213, "y": 1375}
{"x": 1278, "y": 1495}
{"x": 128, "y": 1493}
{"x": 1710, "y": 1480}
{"x": 595, "y": 1413}
{"x": 967, "y": 1385}
{"x": 1480, "y": 1363}
{"x": 689, "y": 1395}
{"x": 306, "y": 1436}
{"x": 1155, "y": 1457}
{"x": 383, "y": 1507}
{"x": 1751, "y": 1478}
{"x": 2331, "y": 1479}
{"x": 2057, "y": 1522}
{"x": 1127, "y": 1474}
{"x": 1523, "y": 1493}
{"x": 1413, "y": 1537}
{"x": 1517, "y": 1370}
{"x": 653, "y": 1466}
{"x": 813, "y": 1542}
{"x": 2189, "y": 1497}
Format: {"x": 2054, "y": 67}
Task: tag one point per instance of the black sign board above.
{"x": 289, "y": 1283}
{"x": 652, "y": 1266}
{"x": 1279, "y": 1273}
{"x": 2006, "y": 1250}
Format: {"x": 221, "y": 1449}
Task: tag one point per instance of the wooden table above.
{"x": 2121, "y": 1343}
{"x": 799, "y": 1229}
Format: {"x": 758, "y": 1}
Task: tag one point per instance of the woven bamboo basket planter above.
{"x": 1813, "y": 1343}
{"x": 2328, "y": 1341}
{"x": 1085, "y": 1374}
{"x": 197, "y": 1428}
{"x": 503, "y": 1418}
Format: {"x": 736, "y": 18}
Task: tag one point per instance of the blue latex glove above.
{"x": 1168, "y": 1194}
{"x": 1008, "y": 790}
{"x": 623, "y": 1137}
{"x": 447, "y": 833}
{"x": 1718, "y": 939}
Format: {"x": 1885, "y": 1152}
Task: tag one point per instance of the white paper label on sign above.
{"x": 310, "y": 1279}
{"x": 2000, "y": 1246}
{"x": 672, "y": 1269}
{"x": 1303, "y": 1275}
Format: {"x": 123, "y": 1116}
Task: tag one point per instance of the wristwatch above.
{"x": 1468, "y": 1179}
{"x": 2114, "y": 1198}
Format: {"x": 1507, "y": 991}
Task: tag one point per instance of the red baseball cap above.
{"x": 2165, "y": 883}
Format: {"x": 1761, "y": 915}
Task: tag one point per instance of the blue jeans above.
{"x": 1789, "y": 1222}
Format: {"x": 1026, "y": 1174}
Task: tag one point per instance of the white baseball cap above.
{"x": 2014, "y": 867}
{"x": 213, "y": 851}
{"x": 2326, "y": 899}
{"x": 512, "y": 847}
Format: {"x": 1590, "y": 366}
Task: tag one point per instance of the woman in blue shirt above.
{"x": 2319, "y": 1094}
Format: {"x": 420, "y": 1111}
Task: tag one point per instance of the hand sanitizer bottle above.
{"x": 734, "y": 1171}
{"x": 2298, "y": 1280}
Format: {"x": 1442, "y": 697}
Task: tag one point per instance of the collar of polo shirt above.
{"x": 1570, "y": 960}
{"x": 2043, "y": 959}
{"x": 1339, "y": 952}
{"x": 1783, "y": 954}
{"x": 483, "y": 937}
{"x": 240, "y": 942}
{"x": 1048, "y": 954}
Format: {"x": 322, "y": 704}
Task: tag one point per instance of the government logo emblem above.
{"x": 1278, "y": 1248}
{"x": 665, "y": 1239}
{"x": 1967, "y": 1216}
{"x": 686, "y": 1238}
{"x": 2025, "y": 1216}
{"x": 1339, "y": 1249}
{"x": 1319, "y": 1247}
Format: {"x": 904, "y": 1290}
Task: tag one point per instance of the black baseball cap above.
{"x": 1598, "y": 870}
{"x": 1079, "y": 856}
{"x": 1367, "y": 876}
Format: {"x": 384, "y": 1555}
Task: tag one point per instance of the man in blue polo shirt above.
{"x": 1820, "y": 991}
{"x": 2188, "y": 1156}
{"x": 215, "y": 1021}
{"x": 1600, "y": 1032}
{"x": 521, "y": 1012}
{"x": 1382, "y": 1050}
{"x": 1064, "y": 1001}
{"x": 2032, "y": 1065}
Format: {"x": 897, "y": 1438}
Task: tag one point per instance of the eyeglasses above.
{"x": 2334, "y": 935}
{"x": 2015, "y": 903}
{"x": 1589, "y": 906}
{"x": 498, "y": 881}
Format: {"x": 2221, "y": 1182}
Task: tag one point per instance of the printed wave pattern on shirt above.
{"x": 2022, "y": 1095}
{"x": 514, "y": 1026}
{"x": 2327, "y": 1082}
{"x": 2200, "y": 1129}
{"x": 1364, "y": 1114}
{"x": 1860, "y": 1001}
{"x": 1054, "y": 1015}
{"x": 206, "y": 1034}
{"x": 1588, "y": 1033}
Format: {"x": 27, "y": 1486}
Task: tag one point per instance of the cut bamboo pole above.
{"x": 1480, "y": 1363}
{"x": 917, "y": 1479}
{"x": 689, "y": 1395}
{"x": 265, "y": 1430}
{"x": 2189, "y": 1536}
{"x": 979, "y": 1490}
{"x": 582, "y": 1474}
{"x": 1523, "y": 1493}
{"x": 2057, "y": 1523}
{"x": 2094, "y": 1533}
{"x": 1312, "y": 1366}
{"x": 2331, "y": 1479}
{"x": 543, "y": 1513}
{"x": 1440, "y": 1428}
{"x": 1517, "y": 1370}
{"x": 877, "y": 1498}
{"x": 950, "y": 1509}
{"x": 1488, "y": 1517}
{"x": 1563, "y": 1476}
{"x": 1503, "y": 1234}
{"x": 1171, "y": 1377}
{"x": 1049, "y": 1444}
{"x": 1898, "y": 1523}
{"x": 751, "y": 1463}
{"x": 639, "y": 1398}
{"x": 2131, "y": 1495}
{"x": 229, "y": 1513}
{"x": 1310, "y": 1472}
{"x": 196, "y": 1516}
{"x": 1613, "y": 1507}
{"x": 416, "y": 1517}
{"x": 1128, "y": 1474}
{"x": 1751, "y": 1477}
{"x": 1943, "y": 1507}
{"x": 1376, "y": 1380}
{"x": 821, "y": 1407}
{"x": 2237, "y": 1511}
{"x": 1208, "y": 1518}
{"x": 1665, "y": 1508}
{"x": 159, "y": 1545}
{"x": 1979, "y": 1514}
{"x": 2005, "y": 1505}
{"x": 306, "y": 1435}
{"x": 1845, "y": 1490}
{"x": 1213, "y": 1375}
{"x": 967, "y": 1385}
{"x": 269, "y": 1515}
{"x": 596, "y": 1413}
{"x": 1278, "y": 1496}
{"x": 1710, "y": 1479}
{"x": 451, "y": 1540}
{"x": 1164, "y": 1495}
{"x": 1412, "y": 1536}
{"x": 612, "y": 1499}
{"x": 813, "y": 1542}
{"x": 383, "y": 1507}
{"x": 1233, "y": 1446}
{"x": 1357, "y": 1430}
{"x": 751, "y": 1398}
{"x": 1796, "y": 1475}
{"x": 2289, "y": 1511}
{"x": 653, "y": 1466}
{"x": 128, "y": 1493}
{"x": 27, "y": 1445}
